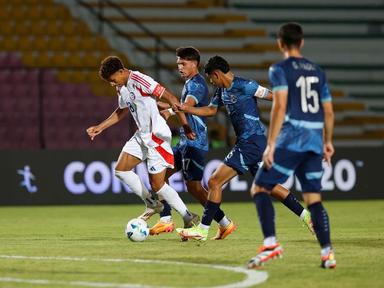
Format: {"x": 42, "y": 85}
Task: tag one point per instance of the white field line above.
{"x": 252, "y": 277}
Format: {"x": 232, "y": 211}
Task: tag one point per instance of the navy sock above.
{"x": 219, "y": 215}
{"x": 292, "y": 204}
{"x": 167, "y": 209}
{"x": 209, "y": 212}
{"x": 320, "y": 223}
{"x": 266, "y": 213}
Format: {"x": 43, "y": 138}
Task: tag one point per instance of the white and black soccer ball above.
{"x": 137, "y": 230}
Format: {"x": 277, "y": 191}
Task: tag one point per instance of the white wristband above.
{"x": 261, "y": 92}
{"x": 170, "y": 110}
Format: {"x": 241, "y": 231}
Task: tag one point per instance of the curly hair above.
{"x": 109, "y": 66}
{"x": 216, "y": 63}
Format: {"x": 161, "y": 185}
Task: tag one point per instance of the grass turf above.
{"x": 97, "y": 232}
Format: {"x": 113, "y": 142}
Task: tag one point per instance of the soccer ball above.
{"x": 137, "y": 230}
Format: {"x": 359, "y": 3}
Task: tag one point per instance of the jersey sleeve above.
{"x": 196, "y": 91}
{"x": 256, "y": 90}
{"x": 277, "y": 78}
{"x": 325, "y": 95}
{"x": 216, "y": 99}
{"x": 146, "y": 85}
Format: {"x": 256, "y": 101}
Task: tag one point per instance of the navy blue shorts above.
{"x": 190, "y": 161}
{"x": 307, "y": 167}
{"x": 247, "y": 155}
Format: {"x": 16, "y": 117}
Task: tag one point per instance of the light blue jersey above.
{"x": 241, "y": 104}
{"x": 307, "y": 87}
{"x": 196, "y": 88}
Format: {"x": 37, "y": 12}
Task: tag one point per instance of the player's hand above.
{"x": 165, "y": 114}
{"x": 189, "y": 133}
{"x": 93, "y": 131}
{"x": 328, "y": 152}
{"x": 268, "y": 156}
{"x": 178, "y": 107}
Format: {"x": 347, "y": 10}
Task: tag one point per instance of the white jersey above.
{"x": 136, "y": 95}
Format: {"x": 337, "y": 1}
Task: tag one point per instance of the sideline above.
{"x": 252, "y": 278}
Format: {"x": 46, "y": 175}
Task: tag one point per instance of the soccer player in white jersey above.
{"x": 151, "y": 142}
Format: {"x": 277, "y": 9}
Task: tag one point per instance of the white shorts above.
{"x": 158, "y": 158}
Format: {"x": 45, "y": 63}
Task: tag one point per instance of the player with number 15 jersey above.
{"x": 302, "y": 129}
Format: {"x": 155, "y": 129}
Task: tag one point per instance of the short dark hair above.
{"x": 188, "y": 53}
{"x": 216, "y": 63}
{"x": 291, "y": 34}
{"x": 109, "y": 66}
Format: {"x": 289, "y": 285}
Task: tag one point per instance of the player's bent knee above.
{"x": 258, "y": 189}
{"x": 213, "y": 182}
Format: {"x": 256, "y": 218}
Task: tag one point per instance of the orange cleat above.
{"x": 329, "y": 261}
{"x": 162, "y": 227}
{"x": 223, "y": 232}
{"x": 265, "y": 253}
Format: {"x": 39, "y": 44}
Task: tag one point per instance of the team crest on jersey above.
{"x": 233, "y": 98}
{"x": 132, "y": 95}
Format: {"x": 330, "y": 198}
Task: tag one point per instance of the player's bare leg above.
{"x": 197, "y": 191}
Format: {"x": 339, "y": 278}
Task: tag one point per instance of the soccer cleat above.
{"x": 196, "y": 233}
{"x": 151, "y": 210}
{"x": 223, "y": 232}
{"x": 329, "y": 261}
{"x": 162, "y": 227}
{"x": 307, "y": 221}
{"x": 193, "y": 221}
{"x": 265, "y": 253}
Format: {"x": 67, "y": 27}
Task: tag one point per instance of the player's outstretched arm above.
{"x": 115, "y": 117}
{"x": 199, "y": 111}
{"x": 328, "y": 131}
{"x": 172, "y": 100}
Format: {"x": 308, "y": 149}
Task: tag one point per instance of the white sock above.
{"x": 173, "y": 199}
{"x": 305, "y": 211}
{"x": 166, "y": 219}
{"x": 325, "y": 251}
{"x": 136, "y": 185}
{"x": 224, "y": 222}
{"x": 269, "y": 241}
{"x": 205, "y": 227}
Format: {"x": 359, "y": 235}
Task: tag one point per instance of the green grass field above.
{"x": 88, "y": 235}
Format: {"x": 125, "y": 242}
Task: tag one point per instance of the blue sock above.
{"x": 266, "y": 213}
{"x": 219, "y": 215}
{"x": 292, "y": 204}
{"x": 209, "y": 212}
{"x": 167, "y": 209}
{"x": 320, "y": 223}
